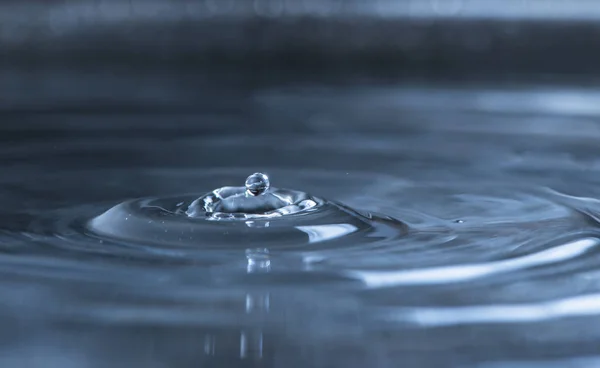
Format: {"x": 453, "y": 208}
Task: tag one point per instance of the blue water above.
{"x": 461, "y": 228}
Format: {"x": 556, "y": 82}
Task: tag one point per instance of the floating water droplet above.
{"x": 257, "y": 184}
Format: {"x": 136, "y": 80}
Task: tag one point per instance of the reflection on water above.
{"x": 455, "y": 227}
{"x": 257, "y": 304}
{"x": 468, "y": 272}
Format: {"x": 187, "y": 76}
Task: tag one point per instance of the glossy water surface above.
{"x": 459, "y": 228}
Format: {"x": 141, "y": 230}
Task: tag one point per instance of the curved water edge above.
{"x": 169, "y": 222}
{"x": 318, "y": 257}
{"x": 255, "y": 215}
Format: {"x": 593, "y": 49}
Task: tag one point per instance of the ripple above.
{"x": 429, "y": 220}
{"x": 160, "y": 222}
{"x": 425, "y": 227}
{"x": 579, "y": 306}
{"x": 413, "y": 251}
{"x": 469, "y": 272}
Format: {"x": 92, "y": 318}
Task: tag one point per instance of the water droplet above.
{"x": 257, "y": 184}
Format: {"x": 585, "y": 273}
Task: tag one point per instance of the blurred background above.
{"x": 149, "y": 51}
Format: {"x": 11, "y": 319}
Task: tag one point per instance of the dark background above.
{"x": 268, "y": 40}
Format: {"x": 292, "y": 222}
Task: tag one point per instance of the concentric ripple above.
{"x": 454, "y": 227}
{"x": 162, "y": 221}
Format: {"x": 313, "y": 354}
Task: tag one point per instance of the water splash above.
{"x": 253, "y": 215}
{"x": 256, "y": 200}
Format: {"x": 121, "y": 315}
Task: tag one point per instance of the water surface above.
{"x": 495, "y": 264}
